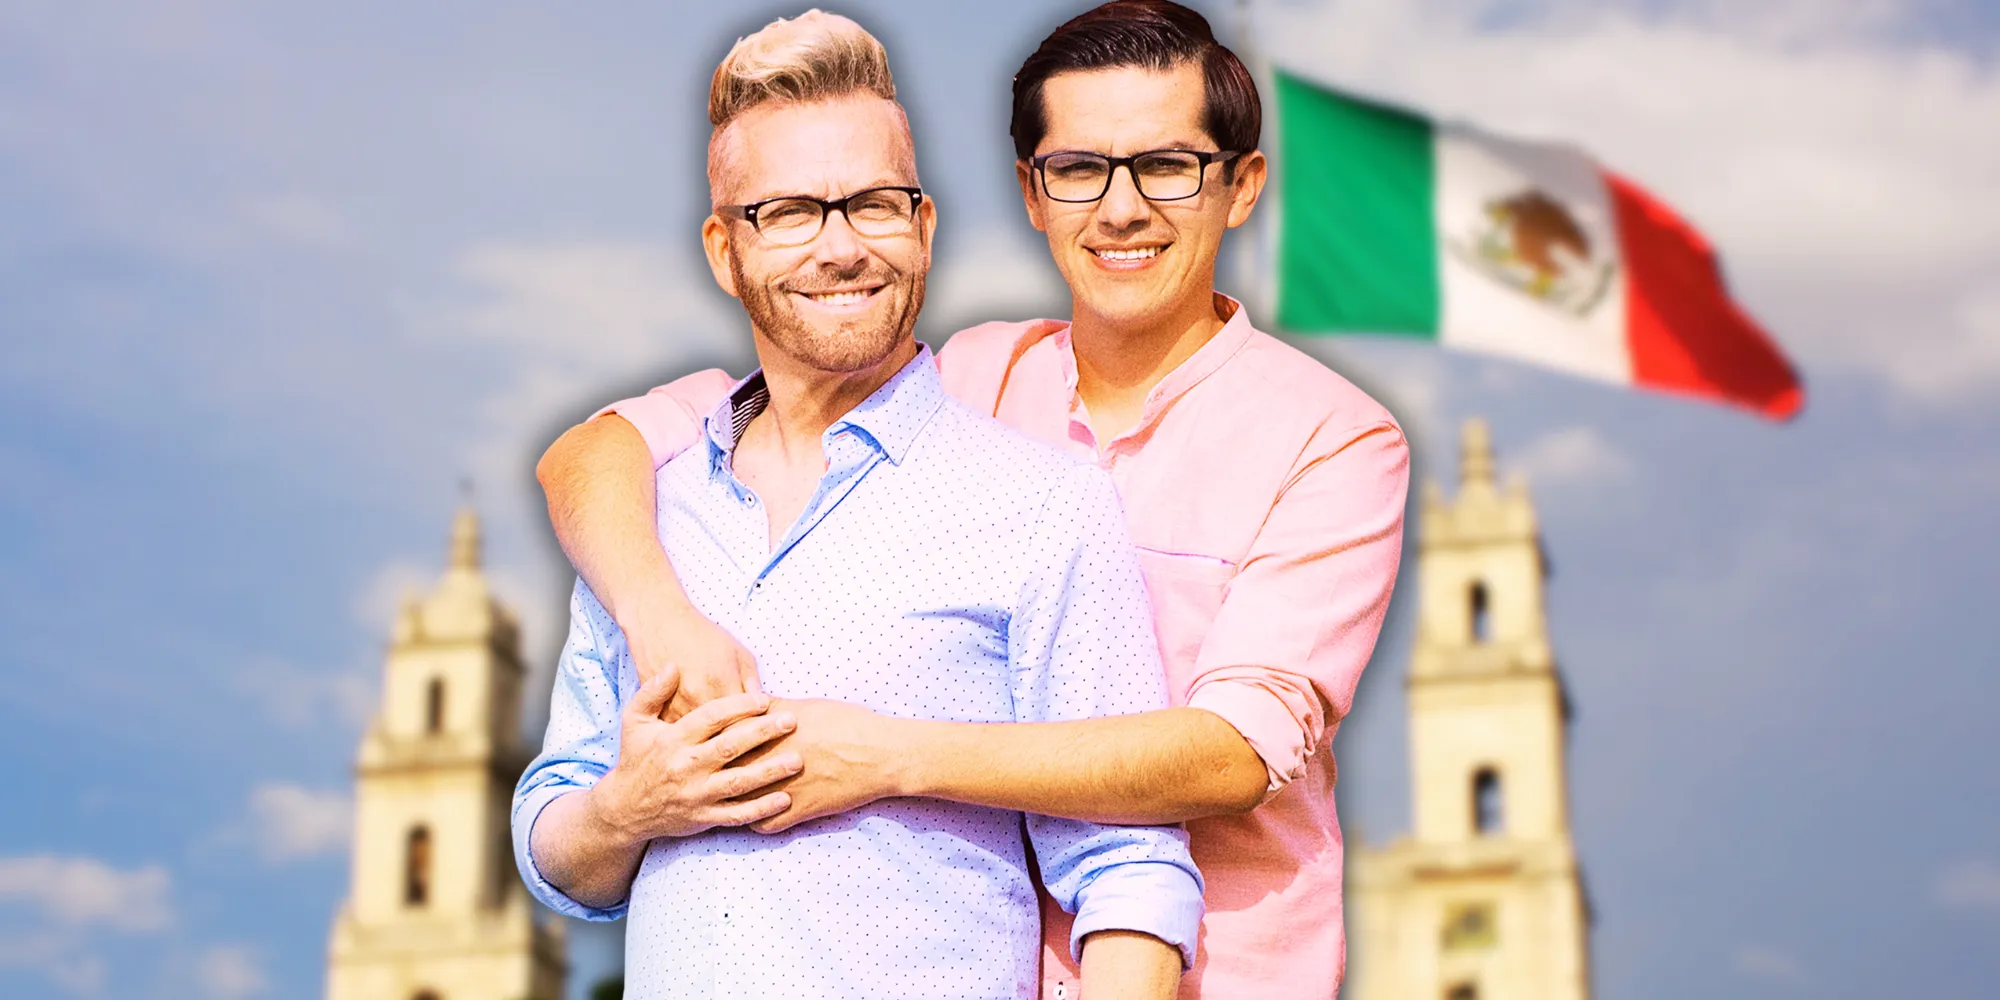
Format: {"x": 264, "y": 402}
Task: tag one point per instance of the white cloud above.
{"x": 1572, "y": 455}
{"x": 1767, "y": 965}
{"x": 57, "y": 957}
{"x": 294, "y": 822}
{"x": 1968, "y": 885}
{"x": 298, "y": 698}
{"x": 592, "y": 309}
{"x": 84, "y": 892}
{"x": 1963, "y": 360}
{"x": 230, "y": 972}
{"x": 1844, "y": 171}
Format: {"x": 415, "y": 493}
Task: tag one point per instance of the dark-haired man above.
{"x": 1265, "y": 493}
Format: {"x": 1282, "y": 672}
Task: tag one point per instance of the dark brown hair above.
{"x": 1157, "y": 35}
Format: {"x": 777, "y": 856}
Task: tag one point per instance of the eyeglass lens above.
{"x": 792, "y": 221}
{"x": 1165, "y": 175}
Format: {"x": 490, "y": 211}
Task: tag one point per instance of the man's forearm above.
{"x": 588, "y": 859}
{"x": 1155, "y": 767}
{"x": 599, "y": 481}
{"x": 1128, "y": 965}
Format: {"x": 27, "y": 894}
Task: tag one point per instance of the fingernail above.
{"x": 791, "y": 762}
{"x": 785, "y": 720}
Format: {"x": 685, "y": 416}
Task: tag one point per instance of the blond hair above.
{"x": 811, "y": 57}
{"x": 815, "y": 56}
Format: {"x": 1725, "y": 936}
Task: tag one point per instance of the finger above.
{"x": 739, "y": 782}
{"x": 746, "y": 671}
{"x": 782, "y": 821}
{"x": 745, "y": 736}
{"x": 741, "y": 813}
{"x": 682, "y": 704}
{"x": 709, "y": 719}
{"x": 653, "y": 695}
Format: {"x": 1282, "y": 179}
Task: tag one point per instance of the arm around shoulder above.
{"x": 599, "y": 477}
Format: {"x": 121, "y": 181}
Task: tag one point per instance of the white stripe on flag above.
{"x": 1499, "y": 292}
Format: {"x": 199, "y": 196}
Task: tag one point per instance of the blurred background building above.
{"x": 436, "y": 910}
{"x": 1483, "y": 900}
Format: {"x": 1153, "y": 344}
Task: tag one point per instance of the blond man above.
{"x": 873, "y": 543}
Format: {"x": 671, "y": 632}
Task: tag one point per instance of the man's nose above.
{"x": 838, "y": 244}
{"x": 1123, "y": 207}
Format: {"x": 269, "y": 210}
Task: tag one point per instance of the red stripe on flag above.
{"x": 1685, "y": 332}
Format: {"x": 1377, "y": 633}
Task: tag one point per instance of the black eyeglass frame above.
{"x": 1202, "y": 159}
{"x": 748, "y": 213}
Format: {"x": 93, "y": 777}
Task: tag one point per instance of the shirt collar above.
{"x": 888, "y": 420}
{"x": 1205, "y": 361}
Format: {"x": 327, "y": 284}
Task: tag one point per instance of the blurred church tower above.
{"x": 1484, "y": 900}
{"x": 436, "y": 910}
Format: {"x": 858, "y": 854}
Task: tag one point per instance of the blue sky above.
{"x": 275, "y": 278}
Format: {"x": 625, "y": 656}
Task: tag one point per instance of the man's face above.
{"x": 1129, "y": 260}
{"x": 842, "y": 302}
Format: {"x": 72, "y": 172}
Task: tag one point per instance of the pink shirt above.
{"x": 1265, "y": 494}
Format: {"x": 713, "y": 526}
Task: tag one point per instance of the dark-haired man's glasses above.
{"x": 794, "y": 221}
{"x": 1159, "y": 174}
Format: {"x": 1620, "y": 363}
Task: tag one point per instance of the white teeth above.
{"x": 1138, "y": 254}
{"x": 838, "y": 298}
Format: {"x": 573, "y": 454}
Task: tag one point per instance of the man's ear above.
{"x": 1252, "y": 171}
{"x": 715, "y": 245}
{"x": 1025, "y": 173}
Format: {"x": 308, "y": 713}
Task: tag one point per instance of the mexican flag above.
{"x": 1392, "y": 223}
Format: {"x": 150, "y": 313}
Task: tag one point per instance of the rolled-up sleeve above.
{"x": 1081, "y": 644}
{"x": 669, "y": 416}
{"x": 592, "y": 682}
{"x": 1300, "y": 617}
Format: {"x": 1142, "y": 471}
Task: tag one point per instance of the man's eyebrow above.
{"x": 1174, "y": 143}
{"x": 879, "y": 182}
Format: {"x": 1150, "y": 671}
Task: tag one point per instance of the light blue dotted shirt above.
{"x": 946, "y": 568}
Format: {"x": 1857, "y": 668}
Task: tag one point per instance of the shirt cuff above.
{"x": 1265, "y": 721}
{"x": 1152, "y": 897}
{"x": 526, "y": 813}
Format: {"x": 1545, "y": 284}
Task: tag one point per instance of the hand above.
{"x": 674, "y": 779}
{"x": 851, "y": 758}
{"x": 712, "y": 663}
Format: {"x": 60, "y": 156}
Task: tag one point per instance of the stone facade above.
{"x": 436, "y": 910}
{"x": 1484, "y": 899}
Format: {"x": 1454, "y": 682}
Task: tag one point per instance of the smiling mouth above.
{"x": 843, "y": 297}
{"x": 1128, "y": 253}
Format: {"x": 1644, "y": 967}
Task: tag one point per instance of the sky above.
{"x": 276, "y": 279}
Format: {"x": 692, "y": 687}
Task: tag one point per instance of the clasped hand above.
{"x": 832, "y": 757}
{"x": 674, "y": 779}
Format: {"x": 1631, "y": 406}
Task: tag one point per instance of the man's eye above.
{"x": 875, "y": 206}
{"x": 1076, "y": 171}
{"x": 787, "y": 213}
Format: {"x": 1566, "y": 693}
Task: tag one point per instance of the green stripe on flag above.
{"x": 1357, "y": 248}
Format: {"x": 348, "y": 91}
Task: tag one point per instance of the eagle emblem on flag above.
{"x": 1532, "y": 242}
